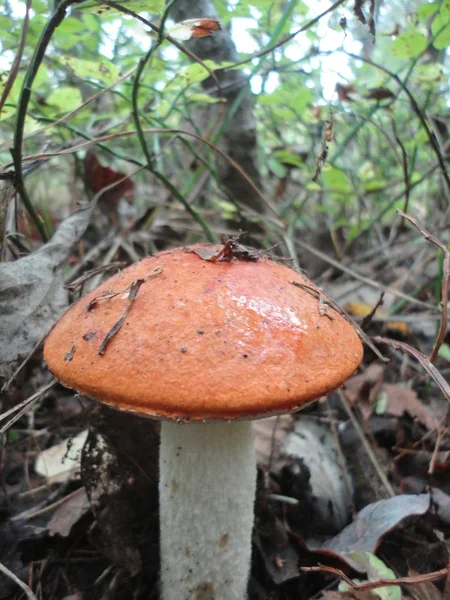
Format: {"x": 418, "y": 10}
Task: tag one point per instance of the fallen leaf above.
{"x": 269, "y": 434}
{"x": 371, "y": 394}
{"x": 376, "y": 520}
{"x": 60, "y": 462}
{"x": 331, "y": 486}
{"x": 32, "y": 294}
{"x": 401, "y": 399}
{"x": 69, "y": 513}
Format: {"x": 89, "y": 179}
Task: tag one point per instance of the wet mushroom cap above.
{"x": 203, "y": 340}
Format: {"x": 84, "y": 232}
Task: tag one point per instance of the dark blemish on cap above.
{"x": 69, "y": 355}
{"x": 87, "y": 337}
{"x": 183, "y": 348}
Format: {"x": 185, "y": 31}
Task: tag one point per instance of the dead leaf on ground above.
{"x": 369, "y": 392}
{"x": 69, "y": 513}
{"x": 62, "y": 461}
{"x": 330, "y": 483}
{"x": 32, "y": 294}
{"x": 268, "y": 434}
{"x": 376, "y": 520}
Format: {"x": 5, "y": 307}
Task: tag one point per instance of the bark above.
{"x": 239, "y": 139}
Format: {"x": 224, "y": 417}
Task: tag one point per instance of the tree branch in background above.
{"x": 17, "y": 58}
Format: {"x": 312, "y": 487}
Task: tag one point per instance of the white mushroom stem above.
{"x": 207, "y": 493}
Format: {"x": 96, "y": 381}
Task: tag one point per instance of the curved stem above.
{"x": 16, "y": 151}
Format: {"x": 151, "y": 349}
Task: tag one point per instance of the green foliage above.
{"x": 103, "y": 70}
{"x": 409, "y": 45}
{"x": 376, "y": 570}
{"x": 379, "y": 145}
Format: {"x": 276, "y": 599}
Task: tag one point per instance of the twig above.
{"x": 6, "y": 385}
{"x": 322, "y": 311}
{"x": 443, "y": 385}
{"x": 444, "y": 283}
{"x": 16, "y": 63}
{"x": 23, "y": 406}
{"x": 404, "y": 166}
{"x": 362, "y": 278}
{"x": 372, "y": 585}
{"x": 367, "y": 446}
{"x": 31, "y": 515}
{"x": 439, "y": 436}
{"x": 368, "y": 318}
{"x": 29, "y": 594}
{"x": 288, "y": 38}
{"x": 133, "y": 291}
{"x": 74, "y": 285}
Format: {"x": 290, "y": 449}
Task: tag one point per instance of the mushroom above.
{"x": 205, "y": 340}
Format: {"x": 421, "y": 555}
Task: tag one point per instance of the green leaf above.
{"x": 440, "y": 27}
{"x": 427, "y": 10}
{"x": 296, "y": 97}
{"x": 374, "y": 186}
{"x": 155, "y": 7}
{"x": 427, "y": 73}
{"x": 444, "y": 352}
{"x": 40, "y": 7}
{"x": 445, "y": 8}
{"x": 69, "y": 33}
{"x": 376, "y": 570}
{"x": 104, "y": 70}
{"x": 201, "y": 98}
{"x": 197, "y": 72}
{"x": 289, "y": 158}
{"x": 336, "y": 180}
{"x": 64, "y": 99}
{"x": 312, "y": 186}
{"x": 8, "y": 110}
{"x": 276, "y": 167}
{"x": 409, "y": 45}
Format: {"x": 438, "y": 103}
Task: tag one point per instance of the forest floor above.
{"x": 352, "y": 491}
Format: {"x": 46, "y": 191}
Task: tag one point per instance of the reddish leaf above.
{"x": 99, "y": 177}
{"x": 379, "y": 93}
{"x": 194, "y": 28}
{"x": 344, "y": 91}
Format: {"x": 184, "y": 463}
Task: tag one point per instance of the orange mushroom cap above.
{"x": 180, "y": 337}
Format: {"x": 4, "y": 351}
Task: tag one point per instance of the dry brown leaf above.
{"x": 269, "y": 433}
{"x": 69, "y": 513}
